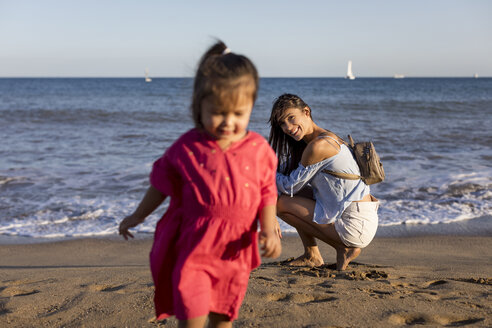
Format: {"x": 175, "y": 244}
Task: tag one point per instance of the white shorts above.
{"x": 358, "y": 224}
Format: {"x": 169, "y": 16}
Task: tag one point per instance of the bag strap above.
{"x": 349, "y": 144}
{"x": 351, "y": 141}
{"x": 325, "y": 136}
{"x": 340, "y": 175}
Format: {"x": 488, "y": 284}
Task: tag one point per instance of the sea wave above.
{"x": 466, "y": 198}
{"x": 76, "y": 153}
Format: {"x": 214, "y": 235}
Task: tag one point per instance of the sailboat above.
{"x": 350, "y": 75}
{"x": 147, "y": 78}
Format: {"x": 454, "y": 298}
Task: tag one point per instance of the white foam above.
{"x": 407, "y": 197}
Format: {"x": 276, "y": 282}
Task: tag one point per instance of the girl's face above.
{"x": 295, "y": 122}
{"x": 228, "y": 123}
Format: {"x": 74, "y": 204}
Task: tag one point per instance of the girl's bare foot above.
{"x": 309, "y": 261}
{"x": 345, "y": 256}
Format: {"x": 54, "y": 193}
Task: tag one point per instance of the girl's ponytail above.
{"x": 217, "y": 49}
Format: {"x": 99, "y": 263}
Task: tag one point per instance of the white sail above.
{"x": 147, "y": 78}
{"x": 350, "y": 74}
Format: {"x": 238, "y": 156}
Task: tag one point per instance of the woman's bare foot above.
{"x": 345, "y": 256}
{"x": 309, "y": 261}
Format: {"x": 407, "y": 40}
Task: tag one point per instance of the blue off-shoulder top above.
{"x": 332, "y": 194}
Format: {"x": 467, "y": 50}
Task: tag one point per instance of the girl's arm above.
{"x": 269, "y": 237}
{"x": 152, "y": 199}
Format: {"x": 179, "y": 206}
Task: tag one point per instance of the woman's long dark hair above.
{"x": 288, "y": 150}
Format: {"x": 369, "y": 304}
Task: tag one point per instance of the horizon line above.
{"x": 268, "y": 77}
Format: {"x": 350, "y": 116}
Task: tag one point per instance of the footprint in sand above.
{"x": 17, "y": 291}
{"x": 28, "y": 282}
{"x": 402, "y": 289}
{"x": 364, "y": 275}
{"x": 318, "y": 272}
{"x": 378, "y": 293}
{"x": 428, "y": 295}
{"x": 13, "y": 288}
{"x": 410, "y": 319}
{"x": 329, "y": 271}
{"x": 329, "y": 287}
{"x": 428, "y": 289}
{"x": 434, "y": 283}
{"x": 3, "y": 308}
{"x": 264, "y": 278}
{"x": 299, "y": 298}
{"x": 300, "y": 283}
{"x": 482, "y": 281}
{"x": 402, "y": 285}
{"x": 106, "y": 288}
{"x": 67, "y": 304}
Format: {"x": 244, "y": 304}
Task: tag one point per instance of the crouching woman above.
{"x": 339, "y": 212}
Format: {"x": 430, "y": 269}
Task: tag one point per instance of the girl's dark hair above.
{"x": 223, "y": 75}
{"x": 288, "y": 150}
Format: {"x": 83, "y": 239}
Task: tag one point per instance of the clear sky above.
{"x": 120, "y": 38}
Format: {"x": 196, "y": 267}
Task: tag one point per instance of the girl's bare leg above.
{"x": 198, "y": 322}
{"x": 217, "y": 320}
{"x": 298, "y": 212}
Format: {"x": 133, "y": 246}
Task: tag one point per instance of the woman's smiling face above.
{"x": 294, "y": 122}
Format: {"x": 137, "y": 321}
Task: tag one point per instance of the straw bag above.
{"x": 371, "y": 168}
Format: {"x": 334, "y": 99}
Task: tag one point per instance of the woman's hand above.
{"x": 270, "y": 243}
{"x": 127, "y": 223}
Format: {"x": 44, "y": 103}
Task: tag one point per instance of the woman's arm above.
{"x": 316, "y": 151}
{"x": 152, "y": 199}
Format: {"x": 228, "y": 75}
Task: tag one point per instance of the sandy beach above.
{"x": 420, "y": 280}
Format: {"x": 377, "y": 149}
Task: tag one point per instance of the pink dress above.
{"x": 205, "y": 245}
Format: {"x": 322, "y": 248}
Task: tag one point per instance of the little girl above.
{"x": 221, "y": 178}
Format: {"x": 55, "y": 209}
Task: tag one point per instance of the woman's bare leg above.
{"x": 298, "y": 212}
{"x": 312, "y": 256}
{"x": 345, "y": 256}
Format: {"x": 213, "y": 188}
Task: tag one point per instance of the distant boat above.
{"x": 476, "y": 75}
{"x": 350, "y": 74}
{"x": 398, "y": 76}
{"x": 147, "y": 78}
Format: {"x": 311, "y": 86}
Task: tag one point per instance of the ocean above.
{"x": 75, "y": 154}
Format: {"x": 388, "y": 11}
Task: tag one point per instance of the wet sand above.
{"x": 431, "y": 280}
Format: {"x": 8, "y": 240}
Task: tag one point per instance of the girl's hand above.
{"x": 127, "y": 223}
{"x": 152, "y": 199}
{"x": 278, "y": 230}
{"x": 270, "y": 243}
